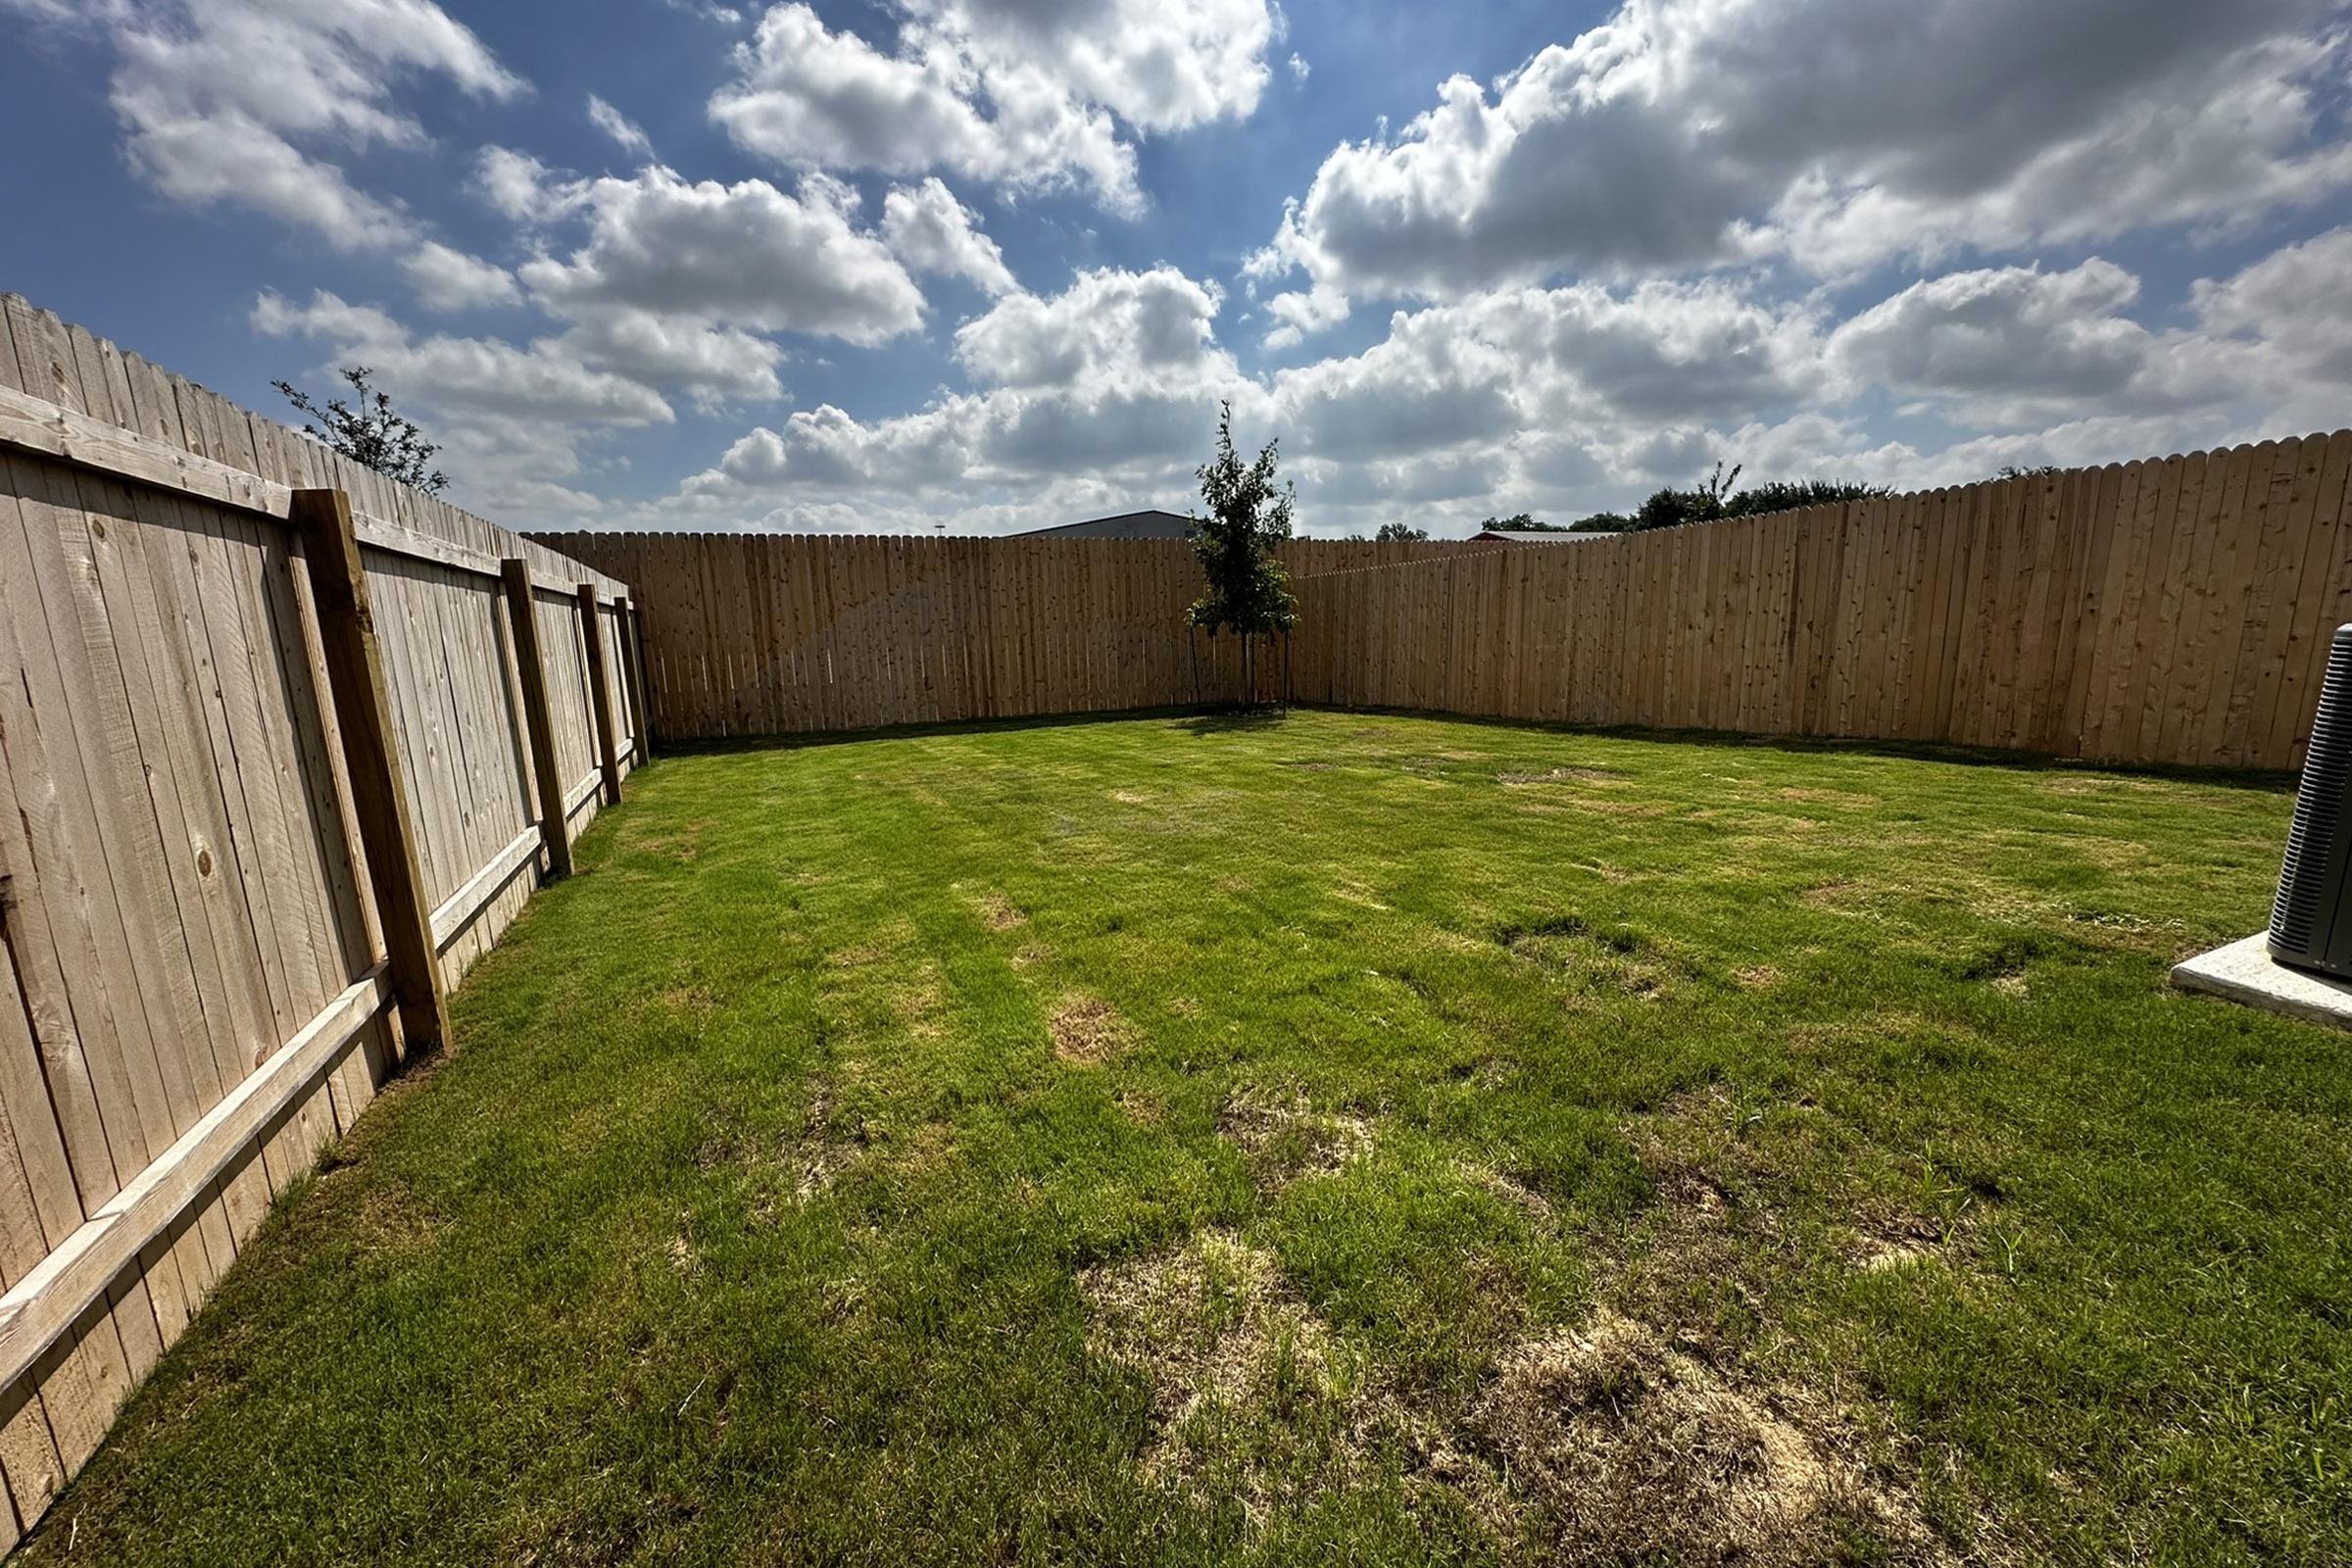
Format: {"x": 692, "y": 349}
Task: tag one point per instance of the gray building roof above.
{"x": 1146, "y": 524}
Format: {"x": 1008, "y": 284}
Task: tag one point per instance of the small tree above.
{"x": 1248, "y": 591}
{"x": 1400, "y": 533}
{"x": 370, "y": 434}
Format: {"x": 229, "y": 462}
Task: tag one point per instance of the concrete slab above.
{"x": 2244, "y": 971}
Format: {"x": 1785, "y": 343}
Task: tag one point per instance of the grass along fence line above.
{"x": 1334, "y": 1138}
{"x": 2172, "y": 611}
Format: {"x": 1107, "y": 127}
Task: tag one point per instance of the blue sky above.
{"x": 983, "y": 264}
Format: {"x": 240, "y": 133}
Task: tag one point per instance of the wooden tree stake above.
{"x": 600, "y": 690}
{"x": 354, "y": 667}
{"x": 536, "y": 721}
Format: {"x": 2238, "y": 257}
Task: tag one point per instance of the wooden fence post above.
{"x": 600, "y": 691}
{"x": 632, "y": 669}
{"x": 523, "y": 614}
{"x": 645, "y": 670}
{"x": 354, "y": 667}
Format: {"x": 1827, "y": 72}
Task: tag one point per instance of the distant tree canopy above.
{"x": 1400, "y": 533}
{"x": 1521, "y": 522}
{"x": 2010, "y": 471}
{"x": 1713, "y": 498}
{"x": 371, "y": 433}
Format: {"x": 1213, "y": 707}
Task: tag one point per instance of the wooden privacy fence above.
{"x": 284, "y": 747}
{"x": 764, "y": 634}
{"x": 2170, "y": 611}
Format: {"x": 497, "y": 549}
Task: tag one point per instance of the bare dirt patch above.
{"x": 1087, "y": 1030}
{"x": 1286, "y": 1138}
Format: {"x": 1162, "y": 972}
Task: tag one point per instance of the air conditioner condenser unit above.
{"x": 2311, "y": 921}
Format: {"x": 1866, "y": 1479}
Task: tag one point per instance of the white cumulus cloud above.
{"x": 624, "y": 132}
{"x": 931, "y": 232}
{"x": 1023, "y": 94}
{"x": 252, "y": 103}
{"x": 1682, "y": 134}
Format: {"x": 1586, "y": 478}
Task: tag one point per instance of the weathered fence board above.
{"x": 195, "y": 995}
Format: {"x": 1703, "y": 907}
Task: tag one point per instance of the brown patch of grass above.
{"x": 1130, "y": 798}
{"x": 1252, "y": 1393}
{"x": 1621, "y": 1448}
{"x": 2081, "y": 784}
{"x": 996, "y": 911}
{"x": 1594, "y": 961}
{"x": 692, "y": 1001}
{"x": 1571, "y": 805}
{"x": 806, "y": 1164}
{"x": 1288, "y": 1140}
{"x": 1756, "y": 977}
{"x": 388, "y": 1219}
{"x": 1565, "y": 775}
{"x": 1310, "y": 766}
{"x": 1496, "y": 1183}
{"x": 1088, "y": 1030}
{"x": 1886, "y": 1238}
{"x": 1853, "y": 797}
{"x": 1838, "y": 893}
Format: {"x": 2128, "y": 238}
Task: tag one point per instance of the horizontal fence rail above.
{"x": 264, "y": 793}
{"x": 2171, "y": 610}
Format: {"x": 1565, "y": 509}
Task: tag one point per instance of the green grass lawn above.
{"x": 1327, "y": 1138}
